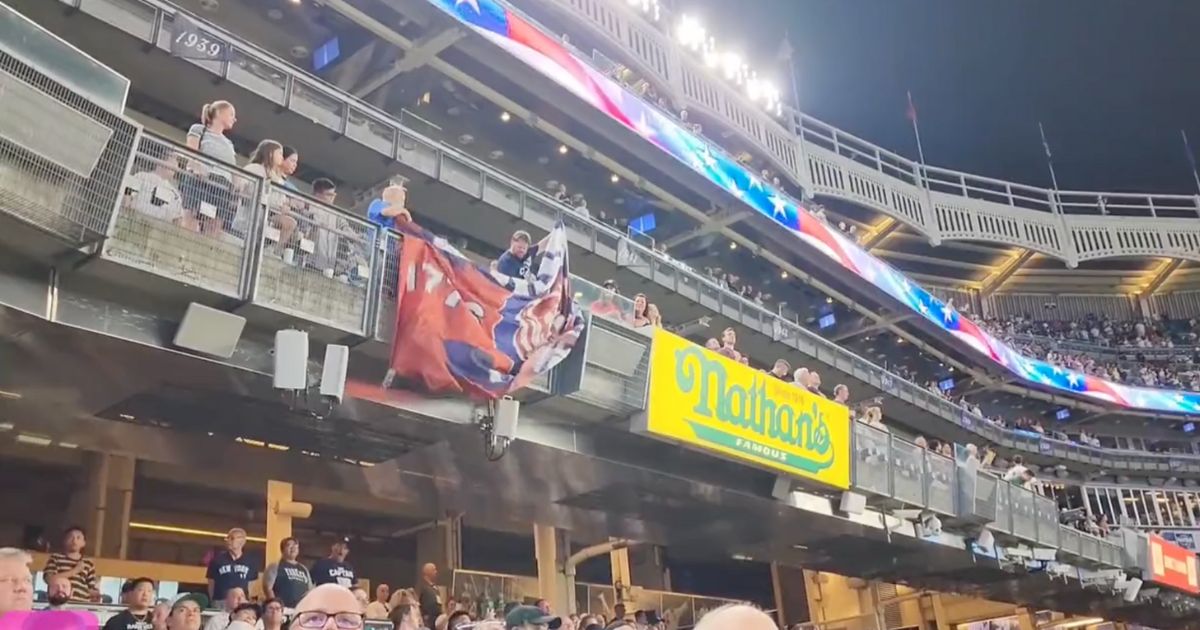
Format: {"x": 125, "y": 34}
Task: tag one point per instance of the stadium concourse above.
{"x": 181, "y": 457}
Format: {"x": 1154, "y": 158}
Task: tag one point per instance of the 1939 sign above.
{"x": 190, "y": 41}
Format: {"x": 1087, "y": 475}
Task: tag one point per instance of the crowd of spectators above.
{"x": 175, "y": 188}
{"x": 331, "y": 599}
{"x": 1042, "y": 339}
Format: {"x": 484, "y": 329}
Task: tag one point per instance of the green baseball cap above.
{"x": 522, "y": 615}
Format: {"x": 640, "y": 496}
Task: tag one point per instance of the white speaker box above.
{"x": 333, "y": 373}
{"x": 853, "y": 503}
{"x": 782, "y": 489}
{"x": 208, "y": 330}
{"x": 1131, "y": 589}
{"x": 508, "y": 411}
{"x": 291, "y": 359}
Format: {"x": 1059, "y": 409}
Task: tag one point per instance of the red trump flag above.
{"x": 464, "y": 329}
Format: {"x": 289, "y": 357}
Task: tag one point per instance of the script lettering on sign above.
{"x": 703, "y": 400}
{"x": 190, "y": 41}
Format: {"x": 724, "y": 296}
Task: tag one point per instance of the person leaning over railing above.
{"x": 208, "y": 193}
{"x": 151, "y": 189}
{"x": 390, "y": 209}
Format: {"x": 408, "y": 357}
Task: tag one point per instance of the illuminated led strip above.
{"x": 543, "y": 52}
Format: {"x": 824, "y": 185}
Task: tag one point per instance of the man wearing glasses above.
{"x": 530, "y": 618}
{"x": 328, "y": 607}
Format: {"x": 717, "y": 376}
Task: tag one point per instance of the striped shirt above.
{"x": 83, "y": 583}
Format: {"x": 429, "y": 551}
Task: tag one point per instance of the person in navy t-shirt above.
{"x": 334, "y": 569}
{"x": 517, "y": 260}
{"x": 230, "y": 568}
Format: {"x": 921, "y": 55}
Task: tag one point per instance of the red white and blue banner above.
{"x": 514, "y": 33}
{"x": 463, "y": 329}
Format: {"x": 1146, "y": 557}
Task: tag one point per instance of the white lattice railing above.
{"x": 1072, "y": 226}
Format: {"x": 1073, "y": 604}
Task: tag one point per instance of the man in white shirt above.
{"x": 1016, "y": 472}
{"x": 234, "y": 597}
{"x": 152, "y": 192}
{"x": 379, "y": 608}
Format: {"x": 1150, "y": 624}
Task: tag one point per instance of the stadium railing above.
{"x": 360, "y": 122}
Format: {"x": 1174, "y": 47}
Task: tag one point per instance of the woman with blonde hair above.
{"x": 208, "y": 192}
{"x": 404, "y": 614}
{"x": 653, "y": 315}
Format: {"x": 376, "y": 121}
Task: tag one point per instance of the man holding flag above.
{"x": 463, "y": 329}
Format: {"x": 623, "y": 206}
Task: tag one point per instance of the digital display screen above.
{"x": 1062, "y": 414}
{"x": 1189, "y": 427}
{"x": 326, "y": 54}
{"x": 946, "y": 384}
{"x": 644, "y": 224}
{"x": 826, "y": 321}
{"x": 545, "y": 53}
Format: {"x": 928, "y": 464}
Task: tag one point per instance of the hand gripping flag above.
{"x": 463, "y": 329}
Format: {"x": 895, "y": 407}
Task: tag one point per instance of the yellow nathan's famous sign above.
{"x": 701, "y": 399}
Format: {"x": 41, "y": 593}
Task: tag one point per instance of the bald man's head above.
{"x": 736, "y": 617}
{"x": 329, "y": 599}
{"x": 429, "y": 572}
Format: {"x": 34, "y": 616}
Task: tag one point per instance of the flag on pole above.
{"x": 1045, "y": 144}
{"x": 785, "y": 49}
{"x": 464, "y": 329}
{"x": 912, "y": 116}
{"x": 1191, "y": 158}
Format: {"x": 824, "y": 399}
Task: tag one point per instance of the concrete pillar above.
{"x": 104, "y": 501}
{"x": 1025, "y": 620}
{"x": 279, "y": 525}
{"x": 552, "y": 548}
{"x": 440, "y": 544}
{"x": 622, "y": 577}
{"x": 940, "y": 618}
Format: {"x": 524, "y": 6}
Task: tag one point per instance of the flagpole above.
{"x": 1056, "y": 198}
{"x": 912, "y": 115}
{"x": 1049, "y": 160}
{"x": 1187, "y": 147}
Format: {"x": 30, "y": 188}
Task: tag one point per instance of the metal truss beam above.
{"x": 421, "y": 53}
{"x": 716, "y": 223}
{"x": 879, "y": 325}
{"x": 877, "y": 235}
{"x": 1160, "y": 276}
{"x": 993, "y": 282}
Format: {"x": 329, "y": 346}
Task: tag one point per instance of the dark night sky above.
{"x": 1113, "y": 81}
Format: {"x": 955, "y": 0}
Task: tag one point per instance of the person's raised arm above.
{"x": 394, "y": 200}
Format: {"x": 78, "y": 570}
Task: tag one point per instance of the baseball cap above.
{"x": 522, "y": 615}
{"x": 199, "y": 599}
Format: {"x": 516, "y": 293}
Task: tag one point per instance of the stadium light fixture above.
{"x": 562, "y": 149}
{"x": 614, "y": 178}
{"x": 505, "y": 116}
{"x": 731, "y": 65}
{"x": 691, "y": 33}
